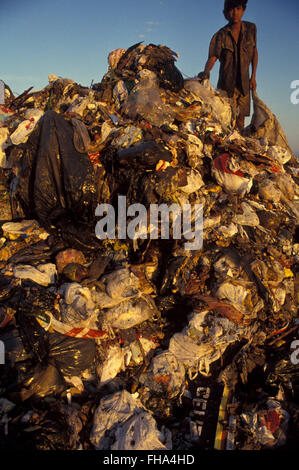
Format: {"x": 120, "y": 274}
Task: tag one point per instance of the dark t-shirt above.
{"x": 235, "y": 58}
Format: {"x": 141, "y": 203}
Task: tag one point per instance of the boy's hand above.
{"x": 203, "y": 76}
{"x": 252, "y": 84}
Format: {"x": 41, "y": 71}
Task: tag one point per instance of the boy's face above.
{"x": 235, "y": 14}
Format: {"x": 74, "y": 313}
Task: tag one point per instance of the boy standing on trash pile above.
{"x": 235, "y": 47}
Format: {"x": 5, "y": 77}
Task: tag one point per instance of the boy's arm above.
{"x": 208, "y": 67}
{"x": 254, "y": 67}
{"x": 214, "y": 54}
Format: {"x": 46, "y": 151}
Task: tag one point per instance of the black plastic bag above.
{"x": 44, "y": 380}
{"x": 56, "y": 182}
{"x": 146, "y": 154}
{"x": 70, "y": 355}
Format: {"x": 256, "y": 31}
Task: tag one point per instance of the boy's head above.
{"x": 229, "y": 5}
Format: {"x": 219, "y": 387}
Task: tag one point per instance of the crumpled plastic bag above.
{"x": 279, "y": 154}
{"x": 130, "y": 136}
{"x": 138, "y": 433}
{"x": 204, "y": 340}
{"x": 113, "y": 363}
{"x": 81, "y": 103}
{"x": 71, "y": 356}
{"x": 264, "y": 124}
{"x": 77, "y": 304}
{"x": 240, "y": 297}
{"x": 81, "y": 137}
{"x": 166, "y": 374}
{"x": 129, "y": 313}
{"x": 145, "y": 101}
{"x": 122, "y": 423}
{"x": 232, "y": 181}
{"x": 121, "y": 283}
{"x": 43, "y": 274}
{"x": 120, "y": 93}
{"x": 194, "y": 182}
{"x": 248, "y": 217}
{"x": 23, "y": 229}
{"x": 45, "y": 380}
{"x": 269, "y": 191}
{"x": 269, "y": 425}
{"x": 113, "y": 410}
{"x": 219, "y": 106}
{"x": 194, "y": 150}
{"x": 24, "y": 129}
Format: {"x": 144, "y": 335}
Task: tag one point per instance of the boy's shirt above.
{"x": 235, "y": 59}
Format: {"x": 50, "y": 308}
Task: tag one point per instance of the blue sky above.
{"x": 73, "y": 38}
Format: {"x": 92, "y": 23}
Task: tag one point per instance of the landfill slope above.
{"x": 142, "y": 343}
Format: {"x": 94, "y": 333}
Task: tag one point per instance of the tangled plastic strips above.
{"x": 2, "y": 92}
{"x": 140, "y": 228}
{"x": 2, "y": 353}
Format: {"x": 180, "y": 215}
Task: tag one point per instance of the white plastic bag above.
{"x": 232, "y": 181}
{"x": 128, "y": 314}
{"x": 121, "y": 283}
{"x": 43, "y": 274}
{"x": 24, "y": 129}
{"x": 138, "y": 433}
{"x": 166, "y": 374}
{"x": 110, "y": 416}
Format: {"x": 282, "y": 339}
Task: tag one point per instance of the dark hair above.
{"x": 229, "y": 4}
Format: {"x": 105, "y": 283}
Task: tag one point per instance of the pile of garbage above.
{"x": 140, "y": 343}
